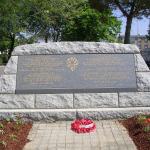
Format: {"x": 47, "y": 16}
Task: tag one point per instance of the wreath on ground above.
{"x": 83, "y": 126}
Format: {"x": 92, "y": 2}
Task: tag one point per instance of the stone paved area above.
{"x": 109, "y": 135}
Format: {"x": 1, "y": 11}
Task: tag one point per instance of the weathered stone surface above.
{"x": 7, "y": 83}
{"x": 54, "y": 101}
{"x": 49, "y": 115}
{"x": 134, "y": 99}
{"x": 11, "y": 67}
{"x": 74, "y": 47}
{"x": 71, "y": 114}
{"x": 95, "y": 100}
{"x": 140, "y": 64}
{"x": 143, "y": 81}
{"x": 111, "y": 113}
{"x": 16, "y": 101}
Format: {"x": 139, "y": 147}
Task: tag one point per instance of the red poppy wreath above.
{"x": 83, "y": 126}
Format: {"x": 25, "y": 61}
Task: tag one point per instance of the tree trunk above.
{"x": 57, "y": 36}
{"x": 46, "y": 38}
{"x": 128, "y": 30}
{"x": 12, "y": 43}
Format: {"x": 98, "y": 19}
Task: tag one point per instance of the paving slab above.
{"x": 109, "y": 135}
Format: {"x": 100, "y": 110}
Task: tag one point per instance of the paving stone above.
{"x": 109, "y": 135}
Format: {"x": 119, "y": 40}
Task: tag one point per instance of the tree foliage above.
{"x": 47, "y": 17}
{"x": 90, "y": 25}
{"x": 129, "y": 8}
{"x": 11, "y": 22}
{"x": 22, "y": 21}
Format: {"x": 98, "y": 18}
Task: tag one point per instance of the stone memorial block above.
{"x": 76, "y": 73}
{"x": 69, "y": 80}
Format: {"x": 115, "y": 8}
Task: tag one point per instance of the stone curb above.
{"x": 71, "y": 114}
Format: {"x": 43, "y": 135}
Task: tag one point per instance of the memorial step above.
{"x": 71, "y": 114}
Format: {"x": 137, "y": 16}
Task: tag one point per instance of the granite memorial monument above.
{"x": 65, "y": 80}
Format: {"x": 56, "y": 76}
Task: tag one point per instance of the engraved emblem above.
{"x": 72, "y": 63}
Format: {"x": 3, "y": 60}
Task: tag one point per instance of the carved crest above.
{"x": 72, "y": 63}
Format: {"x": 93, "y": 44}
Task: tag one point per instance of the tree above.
{"x": 47, "y": 17}
{"x": 148, "y": 35}
{"x": 12, "y": 23}
{"x": 129, "y": 8}
{"x": 90, "y": 25}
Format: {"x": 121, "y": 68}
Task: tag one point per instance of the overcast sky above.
{"x": 138, "y": 26}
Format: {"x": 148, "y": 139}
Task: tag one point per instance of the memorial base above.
{"x": 50, "y": 115}
{"x": 69, "y": 106}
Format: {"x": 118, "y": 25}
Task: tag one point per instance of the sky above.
{"x": 138, "y": 26}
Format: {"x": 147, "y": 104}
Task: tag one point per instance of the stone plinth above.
{"x": 68, "y": 106}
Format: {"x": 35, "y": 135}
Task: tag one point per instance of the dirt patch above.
{"x": 13, "y": 135}
{"x": 139, "y": 130}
